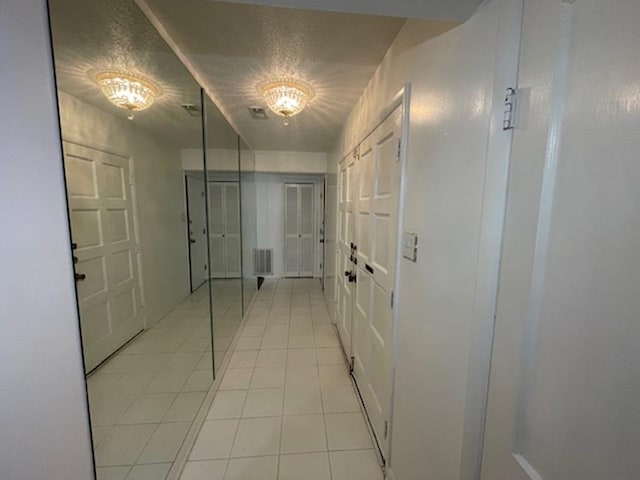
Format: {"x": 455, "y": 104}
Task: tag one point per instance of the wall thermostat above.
{"x": 410, "y": 246}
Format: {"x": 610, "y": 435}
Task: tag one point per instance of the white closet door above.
{"x": 101, "y": 213}
{"x": 232, "y": 231}
{"x": 291, "y": 228}
{"x": 197, "y": 231}
{"x": 217, "y": 230}
{"x": 378, "y": 188}
{"x": 346, "y": 239}
{"x": 305, "y": 233}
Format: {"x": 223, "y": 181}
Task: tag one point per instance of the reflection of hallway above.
{"x": 286, "y": 408}
{"x": 145, "y": 397}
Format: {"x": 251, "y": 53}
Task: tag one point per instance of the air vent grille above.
{"x": 263, "y": 261}
{"x": 258, "y": 113}
{"x": 191, "y": 109}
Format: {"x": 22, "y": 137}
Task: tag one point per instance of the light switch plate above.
{"x": 410, "y": 246}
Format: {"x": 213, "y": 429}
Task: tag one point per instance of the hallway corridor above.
{"x": 285, "y": 408}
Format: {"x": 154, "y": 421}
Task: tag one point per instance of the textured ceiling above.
{"x": 94, "y": 35}
{"x": 232, "y": 47}
{"x": 457, "y": 10}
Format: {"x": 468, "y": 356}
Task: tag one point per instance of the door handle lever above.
{"x": 80, "y": 277}
{"x": 192, "y": 240}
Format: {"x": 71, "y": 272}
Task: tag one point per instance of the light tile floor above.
{"x": 144, "y": 399}
{"x": 286, "y": 408}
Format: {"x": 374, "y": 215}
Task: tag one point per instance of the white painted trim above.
{"x": 402, "y": 98}
{"x": 545, "y": 214}
{"x": 527, "y": 467}
{"x": 490, "y": 242}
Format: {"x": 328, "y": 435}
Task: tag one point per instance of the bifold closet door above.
{"x": 232, "y": 231}
{"x": 299, "y": 247}
{"x": 224, "y": 219}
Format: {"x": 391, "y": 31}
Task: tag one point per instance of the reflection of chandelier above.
{"x": 127, "y": 91}
{"x": 285, "y": 96}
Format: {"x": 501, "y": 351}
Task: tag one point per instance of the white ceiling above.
{"x": 457, "y": 10}
{"x": 233, "y": 47}
{"x": 229, "y": 47}
{"x": 94, "y": 35}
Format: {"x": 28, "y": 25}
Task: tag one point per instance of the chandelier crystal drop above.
{"x": 125, "y": 90}
{"x": 286, "y": 96}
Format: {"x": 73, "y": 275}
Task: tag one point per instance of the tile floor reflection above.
{"x": 144, "y": 399}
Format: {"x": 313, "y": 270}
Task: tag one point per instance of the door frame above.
{"x": 79, "y": 141}
{"x": 490, "y": 241}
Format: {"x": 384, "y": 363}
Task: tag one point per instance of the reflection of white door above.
{"x": 197, "y": 231}
{"x": 101, "y": 214}
{"x": 565, "y": 380}
{"x": 345, "y": 242}
{"x": 376, "y": 190}
{"x": 298, "y": 214}
{"x": 224, "y": 215}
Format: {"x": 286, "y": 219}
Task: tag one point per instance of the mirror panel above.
{"x": 249, "y": 223}
{"x": 225, "y": 228}
{"x": 136, "y": 189}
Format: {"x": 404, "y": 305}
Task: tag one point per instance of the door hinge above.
{"x": 399, "y": 150}
{"x": 386, "y": 429}
{"x": 130, "y": 179}
{"x": 508, "y": 122}
{"x": 351, "y": 363}
{"x": 137, "y": 248}
{"x": 202, "y": 194}
{"x": 391, "y": 300}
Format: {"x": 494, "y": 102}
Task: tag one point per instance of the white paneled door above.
{"x": 224, "y": 228}
{"x": 197, "y": 219}
{"x": 377, "y": 190}
{"x": 345, "y": 250}
{"x": 299, "y": 225}
{"x": 369, "y": 181}
{"x": 104, "y": 249}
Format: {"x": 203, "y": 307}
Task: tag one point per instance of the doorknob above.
{"x": 192, "y": 240}
{"x": 80, "y": 277}
{"x": 347, "y": 273}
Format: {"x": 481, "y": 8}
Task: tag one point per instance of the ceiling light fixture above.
{"x": 128, "y": 91}
{"x": 286, "y": 96}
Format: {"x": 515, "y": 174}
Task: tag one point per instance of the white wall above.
{"x": 44, "y": 427}
{"x": 270, "y": 214}
{"x": 217, "y": 159}
{"x": 159, "y": 192}
{"x": 452, "y": 81}
{"x": 291, "y": 162}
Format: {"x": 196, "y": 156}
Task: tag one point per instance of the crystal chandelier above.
{"x": 128, "y": 91}
{"x": 286, "y": 96}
